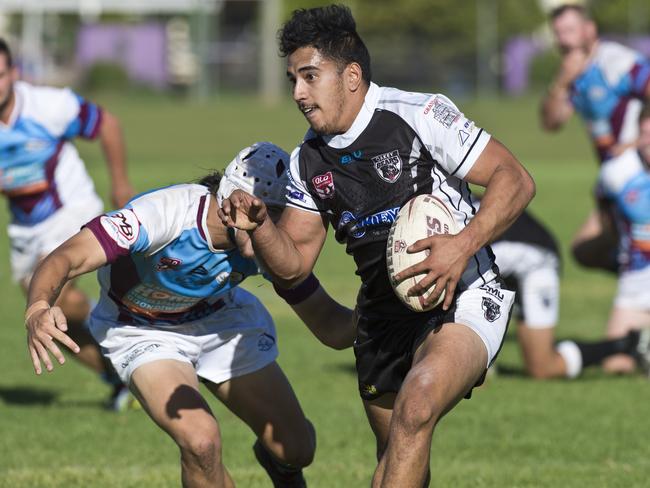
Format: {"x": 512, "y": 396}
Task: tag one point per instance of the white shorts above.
{"x": 535, "y": 273}
{"x": 29, "y": 244}
{"x": 485, "y": 310}
{"x": 634, "y": 290}
{"x": 237, "y": 339}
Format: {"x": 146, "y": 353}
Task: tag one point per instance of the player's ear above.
{"x": 353, "y": 76}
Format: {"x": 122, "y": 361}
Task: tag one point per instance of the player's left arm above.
{"x": 508, "y": 190}
{"x": 333, "y": 324}
{"x": 114, "y": 148}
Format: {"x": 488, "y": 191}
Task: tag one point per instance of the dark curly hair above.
{"x": 211, "y": 181}
{"x": 332, "y": 30}
{"x": 4, "y": 49}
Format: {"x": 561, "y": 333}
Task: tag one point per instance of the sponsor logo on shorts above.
{"x": 368, "y": 389}
{"x": 324, "y": 185}
{"x": 265, "y": 342}
{"x": 166, "y": 263}
{"x": 491, "y": 309}
{"x": 122, "y": 227}
{"x": 495, "y": 292}
{"x": 442, "y": 112}
{"x": 137, "y": 352}
{"x": 349, "y": 158}
{"x": 388, "y": 166}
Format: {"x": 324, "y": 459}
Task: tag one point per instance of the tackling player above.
{"x": 604, "y": 82}
{"x": 625, "y": 182}
{"x": 49, "y": 191}
{"x": 370, "y": 150}
{"x": 171, "y": 314}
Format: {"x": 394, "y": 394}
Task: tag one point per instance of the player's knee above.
{"x": 202, "y": 448}
{"x": 418, "y": 410}
{"x": 300, "y": 449}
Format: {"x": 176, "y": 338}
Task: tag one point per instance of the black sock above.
{"x": 595, "y": 352}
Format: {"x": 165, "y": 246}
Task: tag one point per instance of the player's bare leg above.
{"x": 169, "y": 392}
{"x": 541, "y": 360}
{"x": 621, "y": 321}
{"x": 593, "y": 246}
{"x": 265, "y": 401}
{"x": 428, "y": 392}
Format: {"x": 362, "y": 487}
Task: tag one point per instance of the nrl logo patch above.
{"x": 491, "y": 309}
{"x": 388, "y": 166}
{"x": 324, "y": 185}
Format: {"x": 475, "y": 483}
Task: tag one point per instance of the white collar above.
{"x": 361, "y": 121}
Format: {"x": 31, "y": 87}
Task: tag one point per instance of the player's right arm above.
{"x": 46, "y": 323}
{"x": 556, "y": 106}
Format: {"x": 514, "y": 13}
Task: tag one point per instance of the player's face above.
{"x": 572, "y": 31}
{"x": 7, "y": 78}
{"x": 318, "y": 89}
{"x": 644, "y": 139}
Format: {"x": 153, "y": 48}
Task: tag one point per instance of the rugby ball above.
{"x": 422, "y": 216}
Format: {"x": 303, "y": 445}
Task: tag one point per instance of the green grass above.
{"x": 513, "y": 433}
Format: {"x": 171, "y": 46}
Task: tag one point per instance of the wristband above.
{"x": 299, "y": 293}
{"x": 35, "y": 307}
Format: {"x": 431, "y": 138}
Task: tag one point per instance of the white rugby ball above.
{"x": 422, "y": 216}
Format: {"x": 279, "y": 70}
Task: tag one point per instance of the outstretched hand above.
{"x": 444, "y": 265}
{"x": 44, "y": 326}
{"x": 243, "y": 211}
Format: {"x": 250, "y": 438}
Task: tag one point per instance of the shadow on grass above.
{"x": 19, "y": 395}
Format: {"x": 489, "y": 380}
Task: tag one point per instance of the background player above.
{"x": 529, "y": 261}
{"x": 603, "y": 81}
{"x": 171, "y": 313}
{"x": 403, "y": 144}
{"x": 50, "y": 193}
{"x": 625, "y": 182}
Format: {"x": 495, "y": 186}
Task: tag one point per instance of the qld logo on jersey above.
{"x": 324, "y": 185}
{"x": 359, "y": 227}
{"x": 388, "y": 166}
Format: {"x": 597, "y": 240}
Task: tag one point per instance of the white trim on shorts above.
{"x": 633, "y": 290}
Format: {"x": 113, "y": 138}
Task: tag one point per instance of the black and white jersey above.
{"x": 400, "y": 145}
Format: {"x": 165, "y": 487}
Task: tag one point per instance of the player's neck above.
{"x": 354, "y": 106}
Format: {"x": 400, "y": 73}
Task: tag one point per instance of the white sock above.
{"x": 572, "y": 356}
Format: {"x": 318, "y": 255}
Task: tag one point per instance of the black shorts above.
{"x": 384, "y": 348}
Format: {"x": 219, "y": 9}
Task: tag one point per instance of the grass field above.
{"x": 513, "y": 433}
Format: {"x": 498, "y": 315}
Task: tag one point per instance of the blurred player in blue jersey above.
{"x": 625, "y": 182}
{"x": 604, "y": 82}
{"x": 171, "y": 314}
{"x": 49, "y": 191}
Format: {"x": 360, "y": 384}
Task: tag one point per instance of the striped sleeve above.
{"x": 87, "y": 122}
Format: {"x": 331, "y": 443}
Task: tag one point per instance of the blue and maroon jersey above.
{"x": 162, "y": 268}
{"x": 626, "y": 181}
{"x": 608, "y": 95}
{"x": 34, "y": 144}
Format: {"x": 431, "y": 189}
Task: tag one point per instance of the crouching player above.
{"x": 529, "y": 261}
{"x": 625, "y": 182}
{"x": 171, "y": 313}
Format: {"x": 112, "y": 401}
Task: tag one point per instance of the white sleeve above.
{"x": 453, "y": 140}
{"x": 297, "y": 194}
{"x": 55, "y": 108}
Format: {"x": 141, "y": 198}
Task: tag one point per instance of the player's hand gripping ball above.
{"x": 422, "y": 216}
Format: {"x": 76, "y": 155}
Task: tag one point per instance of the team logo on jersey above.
{"x": 265, "y": 342}
{"x": 388, "y": 166}
{"x": 166, "y": 263}
{"x": 324, "y": 185}
{"x": 491, "y": 309}
{"x": 442, "y": 111}
{"x": 122, "y": 227}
